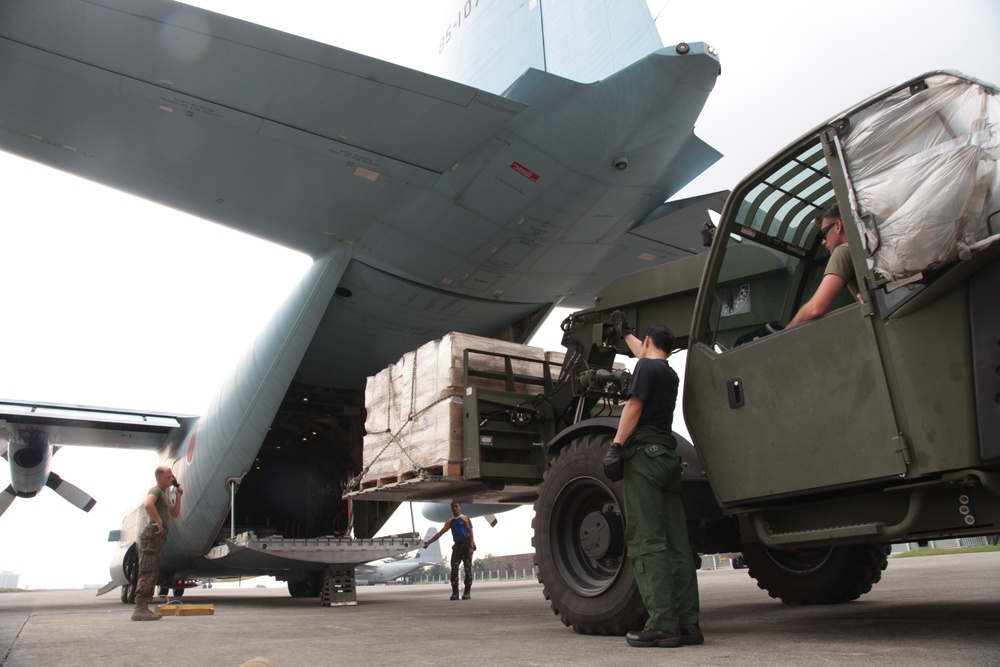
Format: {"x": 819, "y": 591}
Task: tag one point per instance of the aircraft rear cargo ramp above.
{"x": 337, "y": 557}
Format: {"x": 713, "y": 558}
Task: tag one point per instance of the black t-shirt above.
{"x": 655, "y": 382}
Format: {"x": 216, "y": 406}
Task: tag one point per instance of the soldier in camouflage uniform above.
{"x": 461, "y": 550}
{"x": 160, "y": 509}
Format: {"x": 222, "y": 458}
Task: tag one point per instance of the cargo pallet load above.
{"x": 416, "y": 409}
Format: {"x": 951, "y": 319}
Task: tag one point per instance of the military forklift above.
{"x": 814, "y": 448}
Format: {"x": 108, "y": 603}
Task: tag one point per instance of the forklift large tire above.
{"x": 579, "y": 543}
{"x": 823, "y": 575}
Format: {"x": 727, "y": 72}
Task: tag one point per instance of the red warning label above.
{"x": 524, "y": 171}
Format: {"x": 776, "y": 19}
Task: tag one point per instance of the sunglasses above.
{"x": 826, "y": 230}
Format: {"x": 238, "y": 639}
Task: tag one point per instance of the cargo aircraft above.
{"x": 428, "y": 205}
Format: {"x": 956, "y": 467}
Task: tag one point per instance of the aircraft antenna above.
{"x": 662, "y": 9}
{"x": 541, "y": 20}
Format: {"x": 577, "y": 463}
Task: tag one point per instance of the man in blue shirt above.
{"x": 461, "y": 550}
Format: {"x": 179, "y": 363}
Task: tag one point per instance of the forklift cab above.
{"x": 844, "y": 400}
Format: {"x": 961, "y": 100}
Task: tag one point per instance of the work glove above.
{"x": 613, "y": 467}
{"x": 621, "y": 325}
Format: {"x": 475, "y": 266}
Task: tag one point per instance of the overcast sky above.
{"x": 112, "y": 301}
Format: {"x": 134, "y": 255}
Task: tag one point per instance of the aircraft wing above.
{"x": 459, "y": 209}
{"x": 31, "y": 433}
{"x": 95, "y": 427}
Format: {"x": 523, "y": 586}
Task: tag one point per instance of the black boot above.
{"x": 454, "y": 591}
{"x": 466, "y": 595}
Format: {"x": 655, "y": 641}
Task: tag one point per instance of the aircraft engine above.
{"x": 30, "y": 454}
{"x": 442, "y": 511}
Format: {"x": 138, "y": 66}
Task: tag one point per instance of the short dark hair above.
{"x": 831, "y": 211}
{"x": 662, "y": 337}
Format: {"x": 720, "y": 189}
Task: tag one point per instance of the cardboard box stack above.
{"x": 414, "y": 407}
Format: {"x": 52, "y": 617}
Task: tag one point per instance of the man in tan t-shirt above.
{"x": 839, "y": 269}
{"x": 161, "y": 509}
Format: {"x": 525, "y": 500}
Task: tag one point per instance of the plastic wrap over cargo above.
{"x": 924, "y": 173}
{"x": 414, "y": 407}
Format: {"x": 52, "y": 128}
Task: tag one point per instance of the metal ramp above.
{"x": 336, "y": 556}
{"x": 246, "y": 550}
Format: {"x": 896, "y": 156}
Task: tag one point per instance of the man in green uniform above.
{"x": 160, "y": 509}
{"x": 655, "y": 525}
{"x": 839, "y": 269}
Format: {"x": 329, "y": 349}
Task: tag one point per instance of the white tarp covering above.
{"x": 924, "y": 174}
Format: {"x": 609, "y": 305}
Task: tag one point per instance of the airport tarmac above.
{"x": 932, "y": 610}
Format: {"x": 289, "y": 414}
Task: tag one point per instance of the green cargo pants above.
{"x": 656, "y": 530}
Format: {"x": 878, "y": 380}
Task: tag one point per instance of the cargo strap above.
{"x": 355, "y": 482}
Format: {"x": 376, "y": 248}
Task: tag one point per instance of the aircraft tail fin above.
{"x": 432, "y": 554}
{"x": 489, "y": 45}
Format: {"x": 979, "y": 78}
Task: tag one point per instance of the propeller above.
{"x": 74, "y": 494}
{"x": 6, "y": 498}
{"x": 7, "y": 495}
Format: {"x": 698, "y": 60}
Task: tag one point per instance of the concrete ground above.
{"x": 926, "y": 611}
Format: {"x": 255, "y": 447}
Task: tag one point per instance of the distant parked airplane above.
{"x": 380, "y": 573}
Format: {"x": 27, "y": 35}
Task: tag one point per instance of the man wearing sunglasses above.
{"x": 839, "y": 270}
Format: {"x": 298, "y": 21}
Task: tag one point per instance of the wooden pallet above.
{"x": 446, "y": 470}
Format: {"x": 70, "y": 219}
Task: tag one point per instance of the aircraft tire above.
{"x": 822, "y": 575}
{"x": 576, "y": 501}
{"x": 130, "y": 566}
{"x": 179, "y": 592}
{"x": 309, "y": 587}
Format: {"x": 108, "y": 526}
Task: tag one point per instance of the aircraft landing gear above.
{"x": 131, "y": 569}
{"x": 310, "y": 586}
